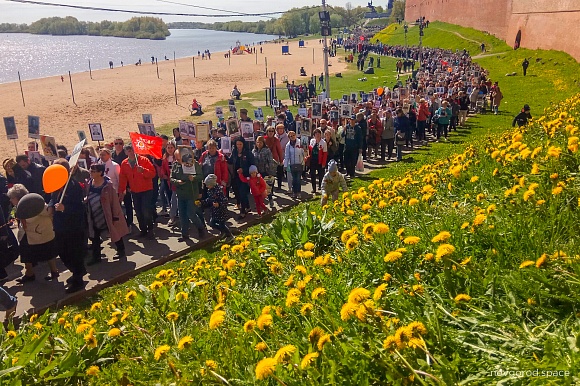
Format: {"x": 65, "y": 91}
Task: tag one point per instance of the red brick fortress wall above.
{"x": 546, "y": 24}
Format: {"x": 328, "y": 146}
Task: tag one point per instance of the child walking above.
{"x": 257, "y": 188}
{"x": 217, "y": 201}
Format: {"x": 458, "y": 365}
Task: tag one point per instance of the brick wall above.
{"x": 546, "y": 24}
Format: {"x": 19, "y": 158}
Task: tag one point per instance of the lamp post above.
{"x": 325, "y": 30}
{"x": 406, "y": 44}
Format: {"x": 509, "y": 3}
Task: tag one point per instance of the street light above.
{"x": 325, "y": 31}
{"x": 406, "y": 44}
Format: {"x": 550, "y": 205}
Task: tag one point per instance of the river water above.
{"x": 38, "y": 56}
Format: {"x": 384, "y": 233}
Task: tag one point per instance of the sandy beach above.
{"x": 117, "y": 97}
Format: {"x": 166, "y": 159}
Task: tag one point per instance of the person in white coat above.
{"x": 112, "y": 169}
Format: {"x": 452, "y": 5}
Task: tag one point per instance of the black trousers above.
{"x": 96, "y": 244}
{"x": 350, "y": 158}
{"x": 387, "y": 144}
{"x": 316, "y": 168}
{"x": 280, "y": 175}
{"x": 71, "y": 249}
{"x": 128, "y": 202}
{"x": 144, "y": 209}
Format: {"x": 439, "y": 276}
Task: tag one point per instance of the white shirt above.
{"x": 112, "y": 170}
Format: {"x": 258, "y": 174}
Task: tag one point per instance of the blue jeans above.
{"x": 296, "y": 182}
{"x": 399, "y": 152}
{"x": 442, "y": 128}
{"x": 7, "y": 301}
{"x": 144, "y": 209}
{"x": 188, "y": 211}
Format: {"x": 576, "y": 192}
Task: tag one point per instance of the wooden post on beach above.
{"x": 313, "y": 56}
{"x": 229, "y": 58}
{"x": 21, "y": 92}
{"x": 174, "y": 65}
{"x": 193, "y": 66}
{"x": 266, "y": 62}
{"x": 175, "y": 86}
{"x": 157, "y": 68}
{"x": 90, "y": 71}
{"x": 256, "y": 52}
{"x": 71, "y": 88}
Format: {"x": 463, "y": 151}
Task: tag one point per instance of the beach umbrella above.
{"x": 54, "y": 178}
{"x": 30, "y": 206}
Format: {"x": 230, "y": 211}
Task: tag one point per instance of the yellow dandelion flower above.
{"x": 462, "y": 298}
{"x": 11, "y": 334}
{"x": 478, "y": 220}
{"x": 400, "y": 232}
{"x": 554, "y": 151}
{"x": 348, "y": 310}
{"x": 474, "y": 179}
{"x": 93, "y": 371}
{"x": 114, "y": 332}
{"x": 318, "y": 292}
{"x": 393, "y": 256}
{"x": 211, "y": 364}
{"x": 387, "y": 277}
{"x": 185, "y": 342}
{"x": 540, "y": 202}
{"x": 261, "y": 346}
{"x": 309, "y": 246}
{"x": 379, "y": 291}
{"x": 557, "y": 190}
{"x": 535, "y": 169}
{"x": 381, "y": 228}
{"x": 172, "y": 316}
{"x": 249, "y": 325}
{"x": 161, "y": 351}
{"x": 411, "y": 240}
{"x": 216, "y": 319}
{"x": 308, "y": 359}
{"x": 390, "y": 343}
{"x": 264, "y": 321}
{"x": 441, "y": 237}
{"x": 83, "y": 327}
{"x": 301, "y": 269}
{"x": 352, "y": 242}
{"x": 284, "y": 353}
{"x": 91, "y": 340}
{"x": 181, "y": 296}
{"x": 382, "y": 204}
{"x": 306, "y": 309}
{"x": 265, "y": 368}
{"x": 444, "y": 250}
{"x": 130, "y": 295}
{"x": 528, "y": 194}
{"x": 541, "y": 261}
{"x": 96, "y": 306}
{"x": 358, "y": 295}
{"x": 315, "y": 334}
{"x": 33, "y": 318}
{"x": 322, "y": 341}
{"x": 155, "y": 285}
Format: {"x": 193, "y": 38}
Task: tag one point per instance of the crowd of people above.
{"x": 325, "y": 147}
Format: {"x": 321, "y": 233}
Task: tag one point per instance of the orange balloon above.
{"x": 380, "y": 91}
{"x": 450, "y": 69}
{"x": 54, "y": 178}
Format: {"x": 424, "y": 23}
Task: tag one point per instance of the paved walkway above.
{"x": 142, "y": 255}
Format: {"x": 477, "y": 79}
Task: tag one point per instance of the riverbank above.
{"x": 117, "y": 97}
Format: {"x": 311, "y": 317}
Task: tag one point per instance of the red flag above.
{"x": 147, "y": 145}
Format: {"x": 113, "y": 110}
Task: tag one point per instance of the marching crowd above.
{"x": 121, "y": 185}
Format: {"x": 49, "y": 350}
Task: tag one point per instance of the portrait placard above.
{"x": 34, "y": 157}
{"x": 33, "y": 127}
{"x": 345, "y": 110}
{"x": 247, "y": 129}
{"x": 202, "y": 132}
{"x": 10, "y": 126}
{"x": 146, "y": 129}
{"x": 82, "y": 135}
{"x": 48, "y": 145}
{"x": 219, "y": 111}
{"x": 306, "y": 128}
{"x": 226, "y": 145}
{"x": 303, "y": 111}
{"x": 96, "y": 131}
{"x": 317, "y": 110}
{"x": 147, "y": 118}
{"x": 232, "y": 125}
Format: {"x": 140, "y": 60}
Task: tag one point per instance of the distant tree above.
{"x": 398, "y": 11}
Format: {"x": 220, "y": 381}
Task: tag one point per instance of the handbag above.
{"x": 360, "y": 166}
{"x": 296, "y": 168}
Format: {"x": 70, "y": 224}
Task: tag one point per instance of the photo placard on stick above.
{"x": 231, "y": 102}
{"x": 226, "y": 145}
{"x": 146, "y": 129}
{"x": 10, "y": 126}
{"x": 317, "y": 110}
{"x": 48, "y": 145}
{"x": 345, "y": 110}
{"x": 34, "y": 157}
{"x": 219, "y": 111}
{"x": 259, "y": 114}
{"x": 33, "y": 127}
{"x": 298, "y": 128}
{"x": 187, "y": 160}
{"x": 247, "y": 129}
{"x": 334, "y": 115}
{"x": 96, "y": 132}
{"x": 147, "y": 118}
{"x": 82, "y": 135}
{"x": 306, "y": 128}
{"x": 187, "y": 130}
{"x": 303, "y": 111}
{"x": 202, "y": 132}
{"x": 82, "y": 163}
{"x": 233, "y": 129}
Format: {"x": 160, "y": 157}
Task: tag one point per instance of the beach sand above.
{"x": 116, "y": 98}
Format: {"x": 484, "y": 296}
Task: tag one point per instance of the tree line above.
{"x": 136, "y": 27}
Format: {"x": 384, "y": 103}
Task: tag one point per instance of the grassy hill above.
{"x": 458, "y": 266}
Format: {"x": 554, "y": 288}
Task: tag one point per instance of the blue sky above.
{"x": 11, "y": 12}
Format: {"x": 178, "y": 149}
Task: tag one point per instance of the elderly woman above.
{"x": 241, "y": 158}
{"x": 36, "y": 237}
{"x": 266, "y": 165}
{"x": 104, "y": 214}
{"x": 275, "y": 147}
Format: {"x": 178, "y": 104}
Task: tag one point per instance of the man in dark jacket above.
{"x": 35, "y": 170}
{"x": 402, "y": 127}
{"x": 69, "y": 229}
{"x": 525, "y": 65}
{"x": 522, "y": 118}
{"x": 353, "y": 144}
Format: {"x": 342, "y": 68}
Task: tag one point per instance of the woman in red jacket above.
{"x": 214, "y": 162}
{"x": 422, "y": 116}
{"x": 318, "y": 154}
{"x": 275, "y": 147}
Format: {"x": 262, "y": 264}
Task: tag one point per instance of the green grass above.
{"x": 378, "y": 22}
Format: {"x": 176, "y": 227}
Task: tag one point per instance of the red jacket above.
{"x": 423, "y": 112}
{"x": 275, "y": 147}
{"x": 322, "y": 155}
{"x": 138, "y": 182}
{"x": 378, "y": 129}
{"x": 166, "y": 172}
{"x": 257, "y": 184}
{"x": 220, "y": 168}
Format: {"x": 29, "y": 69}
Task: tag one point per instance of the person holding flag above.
{"x": 138, "y": 172}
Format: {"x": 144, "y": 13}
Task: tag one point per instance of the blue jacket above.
{"x": 402, "y": 124}
{"x": 353, "y": 137}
